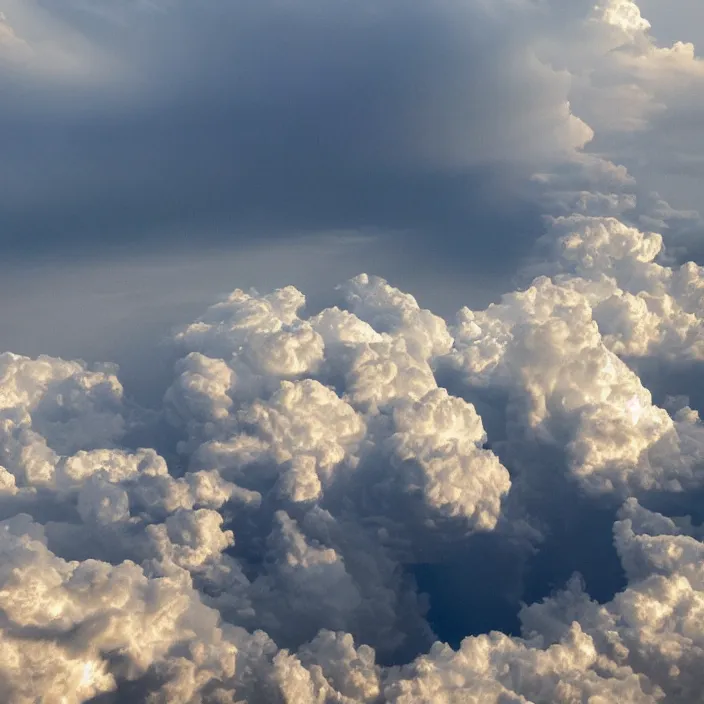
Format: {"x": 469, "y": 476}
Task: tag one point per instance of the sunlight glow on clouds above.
{"x": 260, "y": 534}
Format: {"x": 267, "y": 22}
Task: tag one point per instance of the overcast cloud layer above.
{"x": 171, "y": 122}
{"x": 351, "y": 499}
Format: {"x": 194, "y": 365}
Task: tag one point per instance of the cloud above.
{"x": 265, "y": 532}
{"x": 180, "y": 120}
{"x": 322, "y": 463}
{"x": 154, "y": 122}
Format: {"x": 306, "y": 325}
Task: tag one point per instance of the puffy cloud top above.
{"x": 323, "y": 458}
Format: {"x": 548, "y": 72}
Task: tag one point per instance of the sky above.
{"x": 352, "y": 351}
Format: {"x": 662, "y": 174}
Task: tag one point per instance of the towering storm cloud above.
{"x": 357, "y": 500}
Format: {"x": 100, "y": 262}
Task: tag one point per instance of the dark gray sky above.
{"x": 231, "y": 122}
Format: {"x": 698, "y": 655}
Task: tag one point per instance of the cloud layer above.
{"x": 317, "y": 465}
{"x": 320, "y": 460}
{"x": 162, "y": 122}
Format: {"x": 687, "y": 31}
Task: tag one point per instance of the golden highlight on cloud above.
{"x": 325, "y": 491}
